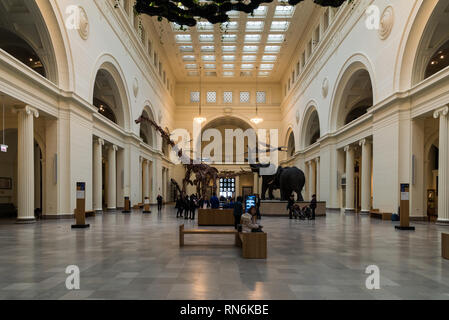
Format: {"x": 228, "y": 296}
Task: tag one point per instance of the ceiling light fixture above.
{"x": 199, "y": 119}
{"x": 256, "y": 120}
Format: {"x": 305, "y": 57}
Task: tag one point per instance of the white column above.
{"x": 37, "y": 177}
{"x": 349, "y": 178}
{"x": 237, "y": 186}
{"x": 255, "y": 182}
{"x": 443, "y": 170}
{"x": 140, "y": 193}
{"x": 97, "y": 185}
{"x": 317, "y": 166}
{"x": 112, "y": 178}
{"x": 366, "y": 176}
{"x": 312, "y": 180}
{"x": 146, "y": 179}
{"x": 25, "y": 161}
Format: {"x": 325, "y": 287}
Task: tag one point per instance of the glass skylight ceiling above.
{"x": 238, "y": 47}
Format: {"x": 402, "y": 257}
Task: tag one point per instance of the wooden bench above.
{"x": 183, "y": 232}
{"x": 375, "y": 213}
{"x": 445, "y": 245}
{"x": 254, "y": 245}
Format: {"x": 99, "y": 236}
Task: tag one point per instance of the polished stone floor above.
{"x": 137, "y": 257}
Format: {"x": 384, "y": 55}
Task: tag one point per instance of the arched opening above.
{"x": 222, "y": 124}
{"x": 146, "y": 130}
{"x": 356, "y": 99}
{"x": 107, "y": 98}
{"x": 25, "y": 36}
{"x": 311, "y": 128}
{"x": 432, "y": 50}
{"x": 21, "y": 50}
{"x": 439, "y": 61}
{"x": 291, "y": 144}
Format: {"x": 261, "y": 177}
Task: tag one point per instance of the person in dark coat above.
{"x": 259, "y": 216}
{"x": 214, "y": 202}
{"x": 159, "y": 202}
{"x": 238, "y": 211}
{"x": 192, "y": 206}
{"x": 291, "y": 202}
{"x": 186, "y": 207}
{"x": 313, "y": 206}
{"x": 179, "y": 206}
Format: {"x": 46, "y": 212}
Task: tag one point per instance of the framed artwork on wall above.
{"x": 5, "y": 183}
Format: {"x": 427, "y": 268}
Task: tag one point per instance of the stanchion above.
{"x": 127, "y": 208}
{"x": 80, "y": 211}
{"x": 404, "y": 211}
{"x": 146, "y": 205}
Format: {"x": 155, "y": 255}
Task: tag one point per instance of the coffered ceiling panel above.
{"x": 248, "y": 45}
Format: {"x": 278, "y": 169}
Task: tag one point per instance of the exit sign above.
{"x": 4, "y": 148}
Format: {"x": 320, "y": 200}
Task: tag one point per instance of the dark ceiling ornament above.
{"x": 188, "y": 12}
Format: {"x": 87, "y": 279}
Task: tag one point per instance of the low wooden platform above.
{"x": 277, "y": 208}
{"x": 215, "y": 217}
{"x": 445, "y": 245}
{"x": 380, "y": 215}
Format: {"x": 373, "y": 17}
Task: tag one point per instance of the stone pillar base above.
{"x": 349, "y": 210}
{"x": 442, "y": 222}
{"x": 364, "y": 212}
{"x": 26, "y": 221}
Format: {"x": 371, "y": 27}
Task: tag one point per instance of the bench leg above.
{"x": 181, "y": 235}
{"x": 238, "y": 242}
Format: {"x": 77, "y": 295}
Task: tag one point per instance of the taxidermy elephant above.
{"x": 287, "y": 179}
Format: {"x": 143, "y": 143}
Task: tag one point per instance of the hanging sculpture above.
{"x": 189, "y": 12}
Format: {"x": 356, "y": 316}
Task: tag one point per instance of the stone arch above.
{"x": 108, "y": 76}
{"x": 310, "y": 126}
{"x": 424, "y": 34}
{"x": 290, "y": 142}
{"x": 228, "y": 122}
{"x": 355, "y": 89}
{"x": 146, "y": 131}
{"x": 39, "y": 28}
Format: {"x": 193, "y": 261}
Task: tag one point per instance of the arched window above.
{"x": 21, "y": 50}
{"x": 105, "y": 110}
{"x": 439, "y": 61}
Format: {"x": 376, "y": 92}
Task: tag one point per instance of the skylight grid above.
{"x": 228, "y": 48}
{"x": 252, "y": 38}
{"x": 284, "y": 11}
{"x": 206, "y": 37}
{"x": 183, "y": 38}
{"x": 279, "y": 25}
{"x": 229, "y": 37}
{"x": 252, "y": 26}
{"x": 275, "y": 38}
{"x": 252, "y": 49}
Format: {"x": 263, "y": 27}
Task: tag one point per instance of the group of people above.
{"x": 187, "y": 206}
{"x": 291, "y": 206}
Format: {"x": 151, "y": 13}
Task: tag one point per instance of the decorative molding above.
{"x": 386, "y": 23}
{"x": 325, "y": 87}
{"x": 83, "y": 23}
{"x": 135, "y": 87}
{"x": 441, "y": 112}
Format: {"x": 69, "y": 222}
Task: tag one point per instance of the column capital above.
{"x": 363, "y": 142}
{"x": 317, "y": 159}
{"x": 347, "y": 148}
{"x": 27, "y": 109}
{"x": 113, "y": 147}
{"x": 100, "y": 141}
{"x": 441, "y": 112}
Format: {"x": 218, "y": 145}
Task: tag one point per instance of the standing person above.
{"x": 186, "y": 207}
{"x": 291, "y": 202}
{"x": 313, "y": 206}
{"x": 179, "y": 206}
{"x": 259, "y": 216}
{"x": 238, "y": 211}
{"x": 214, "y": 202}
{"x": 159, "y": 202}
{"x": 193, "y": 204}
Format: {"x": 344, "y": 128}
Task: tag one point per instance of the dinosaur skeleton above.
{"x": 203, "y": 172}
